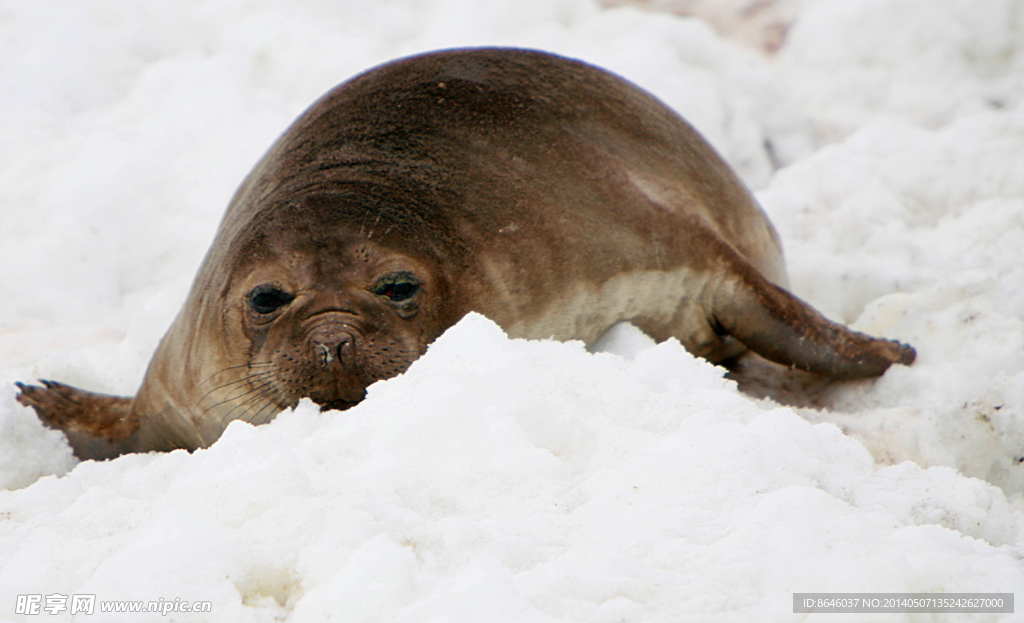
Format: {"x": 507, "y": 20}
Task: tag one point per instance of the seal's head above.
{"x": 321, "y": 302}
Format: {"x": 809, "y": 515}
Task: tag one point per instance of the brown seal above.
{"x": 549, "y": 195}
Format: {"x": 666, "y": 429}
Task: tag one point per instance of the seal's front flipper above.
{"x": 98, "y": 426}
{"x": 780, "y": 327}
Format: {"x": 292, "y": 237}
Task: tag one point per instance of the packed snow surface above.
{"x": 505, "y": 480}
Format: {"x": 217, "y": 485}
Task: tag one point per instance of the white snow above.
{"x": 526, "y": 481}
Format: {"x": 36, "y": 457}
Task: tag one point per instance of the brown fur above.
{"x": 549, "y": 195}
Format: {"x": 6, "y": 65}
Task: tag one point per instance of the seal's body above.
{"x": 549, "y": 195}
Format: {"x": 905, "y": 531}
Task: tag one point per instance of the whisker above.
{"x": 245, "y": 365}
{"x": 268, "y": 398}
{"x": 275, "y": 408}
{"x": 257, "y": 393}
{"x": 261, "y": 375}
{"x": 230, "y": 399}
{"x": 231, "y": 392}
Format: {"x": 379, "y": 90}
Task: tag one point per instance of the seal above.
{"x": 549, "y": 195}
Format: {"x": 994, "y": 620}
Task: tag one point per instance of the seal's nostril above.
{"x": 331, "y": 345}
{"x": 346, "y": 350}
{"x": 326, "y": 354}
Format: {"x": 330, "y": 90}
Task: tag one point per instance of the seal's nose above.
{"x": 329, "y": 346}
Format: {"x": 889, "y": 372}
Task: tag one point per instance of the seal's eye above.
{"x": 267, "y": 299}
{"x": 398, "y": 287}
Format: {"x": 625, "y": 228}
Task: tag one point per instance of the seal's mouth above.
{"x": 338, "y": 405}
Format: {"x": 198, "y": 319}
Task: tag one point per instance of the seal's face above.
{"x": 325, "y": 314}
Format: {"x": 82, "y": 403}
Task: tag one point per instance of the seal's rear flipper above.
{"x": 98, "y": 426}
{"x": 780, "y": 327}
